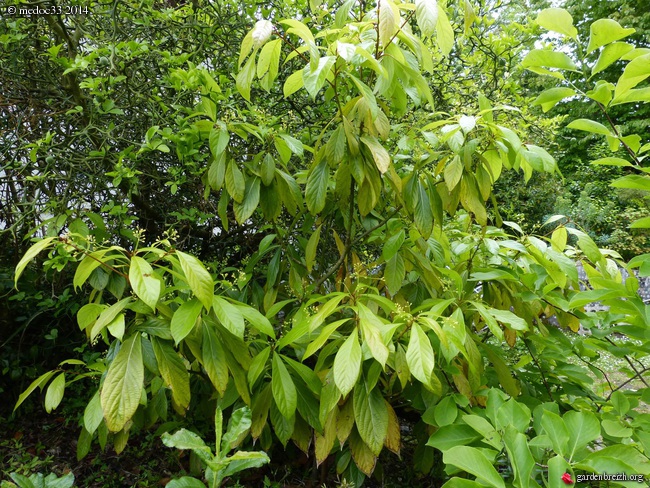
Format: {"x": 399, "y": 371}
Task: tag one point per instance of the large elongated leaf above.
{"x": 419, "y": 356}
{"x": 371, "y": 416}
{"x": 284, "y": 390}
{"x": 347, "y": 364}
{"x": 474, "y": 462}
{"x": 184, "y": 319}
{"x": 198, "y": 278}
{"x": 316, "y": 190}
{"x": 583, "y": 428}
{"x": 229, "y": 316}
{"x": 173, "y": 371}
{"x": 214, "y": 359}
{"x": 426, "y": 14}
{"x": 31, "y": 253}
{"x": 122, "y": 388}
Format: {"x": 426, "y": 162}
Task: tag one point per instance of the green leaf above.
{"x": 93, "y": 414}
{"x": 604, "y": 31}
{"x": 235, "y": 182}
{"x": 347, "y": 363}
{"x": 219, "y": 138}
{"x": 643, "y": 223}
{"x": 244, "y": 209}
{"x": 557, "y": 431}
{"x": 445, "y": 32}
{"x": 198, "y": 278}
{"x": 446, "y": 411}
{"x": 548, "y": 59}
{"x": 371, "y": 416}
{"x": 257, "y": 320}
{"x": 184, "y": 319}
{"x": 394, "y": 274}
{"x": 612, "y": 161}
{"x": 583, "y": 428}
{"x": 245, "y": 78}
{"x": 55, "y": 392}
{"x": 419, "y": 356}
{"x": 451, "y": 436}
{"x": 379, "y": 153}
{"x": 145, "y": 286}
{"x": 549, "y": 98}
{"x": 37, "y": 383}
{"x": 453, "y": 173}
{"x": 31, "y": 253}
{"x": 122, "y": 388}
{"x": 520, "y": 457}
{"x": 314, "y": 80}
{"x": 284, "y": 391}
{"x": 557, "y": 466}
{"x": 473, "y": 461}
{"x": 557, "y": 20}
{"x": 267, "y": 62}
{"x": 393, "y": 245}
{"x": 590, "y": 126}
{"x": 325, "y": 334}
{"x": 214, "y": 359}
{"x": 635, "y": 72}
{"x": 229, "y": 316}
{"x": 634, "y": 182}
{"x": 426, "y": 13}
{"x": 312, "y": 248}
{"x": 293, "y": 83}
{"x": 422, "y": 213}
{"x": 185, "y": 482}
{"x": 510, "y": 319}
{"x": 611, "y": 54}
{"x": 316, "y": 190}
{"x": 371, "y": 328}
{"x": 238, "y": 424}
{"x": 87, "y": 265}
{"x": 186, "y": 440}
{"x": 107, "y": 316}
{"x": 173, "y": 371}
{"x": 388, "y": 21}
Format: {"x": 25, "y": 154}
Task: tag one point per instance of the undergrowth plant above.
{"x": 384, "y": 283}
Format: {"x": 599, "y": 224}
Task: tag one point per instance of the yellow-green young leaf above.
{"x": 93, "y": 414}
{"x": 419, "y": 356}
{"x": 258, "y": 364}
{"x": 235, "y": 182}
{"x": 184, "y": 319}
{"x": 173, "y": 371}
{"x": 379, "y": 153}
{"x": 588, "y": 125}
{"x": 198, "y": 278}
{"x": 612, "y": 53}
{"x": 548, "y": 59}
{"x": 445, "y": 32}
{"x": 557, "y": 20}
{"x": 37, "y": 383}
{"x": 117, "y": 326}
{"x": 284, "y": 391}
{"x": 388, "y": 21}
{"x": 549, "y": 98}
{"x": 229, "y": 316}
{"x": 394, "y": 273}
{"x": 426, "y": 13}
{"x": 559, "y": 238}
{"x": 257, "y": 320}
{"x": 122, "y": 388}
{"x": 473, "y": 461}
{"x": 335, "y": 147}
{"x": 369, "y": 98}
{"x": 246, "y": 47}
{"x": 604, "y": 31}
{"x": 214, "y": 359}
{"x": 635, "y": 72}
{"x": 643, "y": 223}
{"x": 312, "y": 247}
{"x": 612, "y": 161}
{"x": 371, "y": 416}
{"x": 219, "y": 139}
{"x": 371, "y": 328}
{"x": 453, "y": 173}
{"x": 269, "y": 58}
{"x": 293, "y": 83}
{"x": 245, "y": 209}
{"x": 316, "y": 189}
{"x": 347, "y": 363}
{"x": 54, "y": 393}
{"x": 325, "y": 334}
{"x": 31, "y": 254}
{"x": 144, "y": 284}
{"x": 245, "y": 78}
{"x": 87, "y": 265}
{"x": 107, "y": 316}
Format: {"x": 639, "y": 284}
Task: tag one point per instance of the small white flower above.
{"x": 262, "y": 32}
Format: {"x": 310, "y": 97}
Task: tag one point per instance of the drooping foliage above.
{"x": 290, "y": 221}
